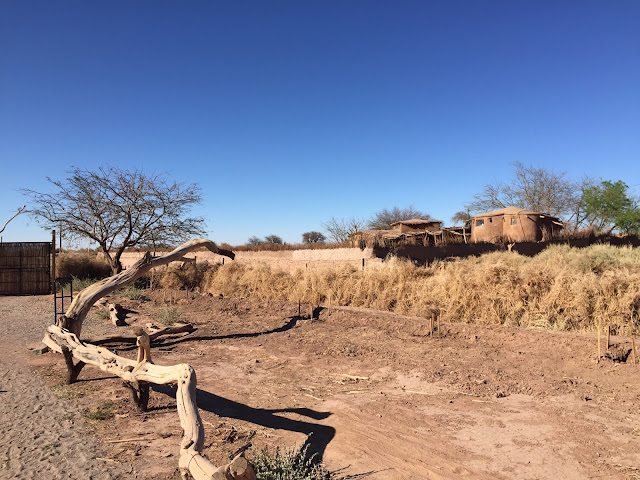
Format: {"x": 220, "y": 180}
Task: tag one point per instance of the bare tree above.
{"x": 255, "y": 241}
{"x": 532, "y": 188}
{"x": 273, "y": 240}
{"x": 461, "y": 217}
{"x": 119, "y": 209}
{"x": 313, "y": 237}
{"x": 383, "y": 219}
{"x": 20, "y": 210}
{"x": 339, "y": 230}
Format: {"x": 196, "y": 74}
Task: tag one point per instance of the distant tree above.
{"x": 313, "y": 237}
{"x": 535, "y": 189}
{"x": 383, "y": 219}
{"x": 119, "y": 209}
{"x": 609, "y": 207}
{"x": 339, "y": 230}
{"x": 255, "y": 241}
{"x": 273, "y": 240}
{"x": 461, "y": 217}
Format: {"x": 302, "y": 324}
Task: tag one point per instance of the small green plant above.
{"x": 82, "y": 283}
{"x": 103, "y": 313}
{"x": 288, "y": 465}
{"x": 65, "y": 391}
{"x": 132, "y": 293}
{"x": 102, "y": 412}
{"x": 168, "y": 315}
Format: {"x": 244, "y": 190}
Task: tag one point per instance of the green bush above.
{"x": 288, "y": 465}
{"x": 168, "y": 315}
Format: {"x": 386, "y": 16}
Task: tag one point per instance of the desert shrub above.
{"x": 188, "y": 276}
{"x": 81, "y": 265}
{"x": 168, "y": 315}
{"x": 561, "y": 288}
{"x": 132, "y": 292}
{"x": 288, "y": 465}
{"x": 104, "y": 411}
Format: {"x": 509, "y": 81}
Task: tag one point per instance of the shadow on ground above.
{"x": 318, "y": 436}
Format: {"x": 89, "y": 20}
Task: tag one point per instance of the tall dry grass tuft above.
{"x": 81, "y": 265}
{"x": 561, "y": 288}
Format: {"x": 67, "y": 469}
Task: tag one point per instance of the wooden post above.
{"x": 299, "y": 312}
{"x": 438, "y": 319}
{"x": 608, "y": 336}
{"x": 431, "y": 323}
{"x": 363, "y": 264}
{"x": 633, "y": 349}
{"x": 53, "y": 261}
{"x": 598, "y": 327}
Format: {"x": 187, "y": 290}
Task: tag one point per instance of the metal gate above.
{"x": 25, "y": 268}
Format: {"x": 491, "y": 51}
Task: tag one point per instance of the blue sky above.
{"x": 289, "y": 113}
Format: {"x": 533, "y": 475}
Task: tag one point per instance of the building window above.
{"x": 514, "y": 221}
{"x": 479, "y": 223}
{"x": 491, "y": 220}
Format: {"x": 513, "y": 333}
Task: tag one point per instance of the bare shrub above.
{"x": 188, "y": 276}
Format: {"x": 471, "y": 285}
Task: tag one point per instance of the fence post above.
{"x": 52, "y": 274}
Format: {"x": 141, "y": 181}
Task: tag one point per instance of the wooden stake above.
{"x": 598, "y": 342}
{"x": 431, "y": 323}
{"x": 438, "y": 319}
{"x": 53, "y": 262}
{"x": 608, "y": 336}
{"x": 633, "y": 349}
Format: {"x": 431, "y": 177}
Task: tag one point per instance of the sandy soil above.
{"x": 378, "y": 395}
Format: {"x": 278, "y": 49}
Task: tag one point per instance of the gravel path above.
{"x": 41, "y": 435}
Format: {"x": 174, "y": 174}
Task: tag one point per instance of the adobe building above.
{"x": 513, "y": 224}
{"x": 416, "y": 225}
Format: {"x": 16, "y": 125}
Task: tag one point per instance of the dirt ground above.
{"x": 378, "y": 395}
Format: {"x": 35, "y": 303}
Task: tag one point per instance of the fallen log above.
{"x": 192, "y": 461}
{"x": 116, "y": 315}
{"x": 174, "y": 329}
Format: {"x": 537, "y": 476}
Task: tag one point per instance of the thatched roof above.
{"x": 416, "y": 221}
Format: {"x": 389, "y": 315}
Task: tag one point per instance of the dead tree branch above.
{"x": 20, "y": 210}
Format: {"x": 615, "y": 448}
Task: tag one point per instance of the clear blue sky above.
{"x": 289, "y": 113}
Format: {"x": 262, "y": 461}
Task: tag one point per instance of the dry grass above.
{"x": 561, "y": 288}
{"x": 81, "y": 265}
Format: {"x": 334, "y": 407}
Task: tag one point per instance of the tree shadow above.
{"x": 318, "y": 436}
{"x": 168, "y": 341}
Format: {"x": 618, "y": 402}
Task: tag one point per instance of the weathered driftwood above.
{"x": 116, "y": 315}
{"x": 172, "y": 330}
{"x": 77, "y": 312}
{"x": 64, "y": 338}
{"x": 142, "y": 370}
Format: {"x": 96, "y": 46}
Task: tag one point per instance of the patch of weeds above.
{"x": 65, "y": 391}
{"x": 103, "y": 313}
{"x": 288, "y": 465}
{"x": 82, "y": 283}
{"x": 132, "y": 293}
{"x": 168, "y": 315}
{"x": 102, "y": 412}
